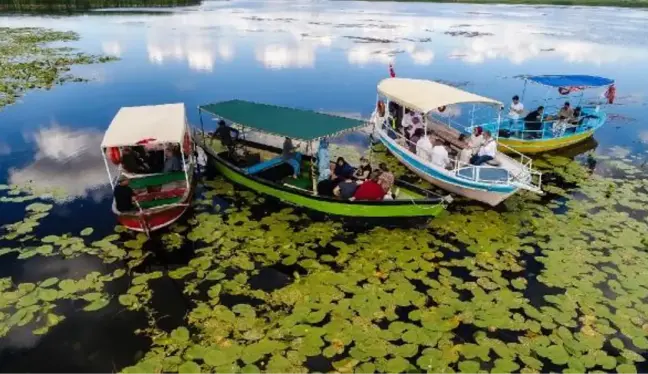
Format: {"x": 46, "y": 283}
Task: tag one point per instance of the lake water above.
{"x": 320, "y": 55}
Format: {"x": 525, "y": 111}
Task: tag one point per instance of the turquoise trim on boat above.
{"x": 516, "y": 127}
{"x": 458, "y": 181}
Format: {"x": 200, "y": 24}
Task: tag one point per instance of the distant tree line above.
{"x": 71, "y": 5}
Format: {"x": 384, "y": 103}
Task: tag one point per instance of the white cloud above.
{"x": 279, "y": 56}
{"x": 66, "y": 160}
{"x": 422, "y": 56}
{"x": 112, "y": 48}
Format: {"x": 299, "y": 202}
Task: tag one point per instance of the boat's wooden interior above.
{"x": 248, "y": 154}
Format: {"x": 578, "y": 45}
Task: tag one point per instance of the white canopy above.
{"x": 155, "y": 123}
{"x": 424, "y": 96}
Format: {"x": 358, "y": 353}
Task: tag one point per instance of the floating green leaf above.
{"x": 87, "y": 231}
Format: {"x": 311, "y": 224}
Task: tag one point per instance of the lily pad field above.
{"x": 552, "y": 283}
{"x": 556, "y": 283}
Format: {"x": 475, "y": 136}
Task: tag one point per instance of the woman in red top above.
{"x": 370, "y": 189}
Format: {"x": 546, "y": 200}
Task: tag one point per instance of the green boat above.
{"x": 259, "y": 167}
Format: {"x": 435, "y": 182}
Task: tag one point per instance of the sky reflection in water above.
{"x": 310, "y": 55}
{"x": 306, "y": 54}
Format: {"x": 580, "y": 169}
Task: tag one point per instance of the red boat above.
{"x": 140, "y": 141}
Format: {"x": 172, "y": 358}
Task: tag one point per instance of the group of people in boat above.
{"x": 477, "y": 149}
{"x": 567, "y": 118}
{"x": 362, "y": 183}
{"x": 138, "y": 160}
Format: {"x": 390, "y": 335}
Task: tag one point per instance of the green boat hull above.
{"x": 375, "y": 209}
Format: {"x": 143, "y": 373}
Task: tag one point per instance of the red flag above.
{"x": 610, "y": 94}
{"x": 392, "y": 73}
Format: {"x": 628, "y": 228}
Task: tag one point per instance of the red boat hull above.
{"x": 153, "y": 220}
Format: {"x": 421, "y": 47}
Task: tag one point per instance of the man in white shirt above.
{"x": 487, "y": 151}
{"x": 424, "y": 148}
{"x": 440, "y": 155}
{"x": 517, "y": 108}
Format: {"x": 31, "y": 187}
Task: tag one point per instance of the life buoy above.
{"x": 441, "y": 109}
{"x": 381, "y": 108}
{"x": 114, "y": 155}
{"x": 187, "y": 144}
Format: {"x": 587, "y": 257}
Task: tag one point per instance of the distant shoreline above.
{"x": 84, "y": 5}
{"x": 607, "y": 3}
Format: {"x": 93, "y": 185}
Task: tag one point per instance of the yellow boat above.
{"x": 553, "y": 131}
{"x": 542, "y": 145}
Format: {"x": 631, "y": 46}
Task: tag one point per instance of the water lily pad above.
{"x": 180, "y": 335}
{"x": 189, "y": 367}
{"x": 97, "y": 304}
{"x": 127, "y": 299}
{"x": 39, "y": 207}
{"x": 397, "y": 365}
{"x": 469, "y": 366}
{"x": 626, "y": 368}
{"x": 87, "y": 231}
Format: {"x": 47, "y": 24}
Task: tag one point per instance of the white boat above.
{"x": 160, "y": 198}
{"x": 489, "y": 183}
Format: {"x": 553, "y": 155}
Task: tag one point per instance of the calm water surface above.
{"x": 311, "y": 54}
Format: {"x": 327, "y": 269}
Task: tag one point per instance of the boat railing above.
{"x": 517, "y": 128}
{"x": 473, "y": 171}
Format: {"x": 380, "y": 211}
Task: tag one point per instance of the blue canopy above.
{"x": 570, "y": 80}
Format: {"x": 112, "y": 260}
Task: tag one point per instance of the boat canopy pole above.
{"x": 524, "y": 89}
{"x": 202, "y": 127}
{"x": 499, "y": 122}
{"x": 472, "y": 116}
{"x": 309, "y": 150}
{"x": 110, "y": 178}
{"x": 184, "y": 163}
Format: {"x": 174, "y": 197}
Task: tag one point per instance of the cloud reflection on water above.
{"x": 286, "y": 36}
{"x": 66, "y": 160}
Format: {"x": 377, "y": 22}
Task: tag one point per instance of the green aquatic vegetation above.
{"x": 28, "y": 61}
{"x": 34, "y": 304}
{"x": 395, "y": 299}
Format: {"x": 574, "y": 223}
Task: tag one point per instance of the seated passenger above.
{"x": 533, "y": 123}
{"x": 345, "y": 189}
{"x": 386, "y": 178}
{"x": 466, "y": 153}
{"x": 487, "y": 151}
{"x": 123, "y": 195}
{"x": 476, "y": 139}
{"x": 440, "y": 154}
{"x": 418, "y": 134}
{"x": 132, "y": 163}
{"x": 424, "y": 148}
{"x": 171, "y": 161}
{"x": 370, "y": 189}
{"x": 224, "y": 133}
{"x": 325, "y": 187}
{"x": 576, "y": 116}
{"x": 566, "y": 112}
{"x": 342, "y": 169}
{"x": 363, "y": 171}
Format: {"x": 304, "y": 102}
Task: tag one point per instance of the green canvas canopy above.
{"x": 304, "y": 125}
